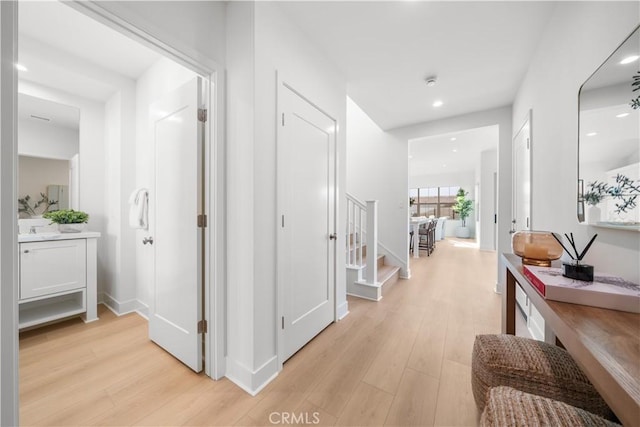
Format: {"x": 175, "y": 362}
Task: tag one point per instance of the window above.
{"x": 436, "y": 201}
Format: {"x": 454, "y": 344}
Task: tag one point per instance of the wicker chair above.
{"x": 533, "y": 367}
{"x": 514, "y": 408}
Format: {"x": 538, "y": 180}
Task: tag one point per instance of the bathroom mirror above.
{"x": 609, "y": 139}
{"x": 48, "y": 146}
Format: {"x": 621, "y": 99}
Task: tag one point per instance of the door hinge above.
{"x": 202, "y": 327}
{"x": 202, "y": 115}
{"x": 282, "y": 119}
{"x": 202, "y": 221}
{"x": 282, "y": 221}
{"x": 527, "y": 222}
{"x": 282, "y": 322}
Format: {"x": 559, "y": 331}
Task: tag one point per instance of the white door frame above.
{"x": 9, "y": 406}
{"x": 526, "y": 122}
{"x": 214, "y": 240}
{"x": 214, "y": 157}
{"x": 280, "y": 83}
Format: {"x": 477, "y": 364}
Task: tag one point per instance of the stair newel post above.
{"x": 372, "y": 241}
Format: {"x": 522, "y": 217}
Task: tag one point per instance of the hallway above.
{"x": 405, "y": 360}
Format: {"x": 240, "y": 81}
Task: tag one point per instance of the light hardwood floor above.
{"x": 405, "y": 360}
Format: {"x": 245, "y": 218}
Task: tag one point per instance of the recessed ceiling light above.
{"x": 629, "y": 59}
{"x": 438, "y": 103}
{"x": 21, "y": 67}
{"x": 453, "y": 139}
{"x": 410, "y": 156}
{"x": 621, "y": 115}
{"x": 444, "y": 166}
{"x": 455, "y": 150}
{"x": 592, "y": 133}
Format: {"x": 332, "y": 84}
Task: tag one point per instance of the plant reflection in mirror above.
{"x": 26, "y": 208}
{"x": 635, "y": 103}
{"x": 625, "y": 192}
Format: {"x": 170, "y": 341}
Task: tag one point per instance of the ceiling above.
{"x": 68, "y": 51}
{"x": 479, "y": 50}
{"x": 48, "y": 112}
{"x": 450, "y": 153}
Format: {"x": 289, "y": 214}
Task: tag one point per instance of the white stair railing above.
{"x": 362, "y": 231}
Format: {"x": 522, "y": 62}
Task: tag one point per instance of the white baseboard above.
{"x": 342, "y": 310}
{"x": 143, "y": 310}
{"x": 252, "y": 381}
{"x": 119, "y": 307}
{"x": 405, "y": 274}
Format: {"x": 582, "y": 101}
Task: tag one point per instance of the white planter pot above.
{"x": 463, "y": 232}
{"x": 71, "y": 228}
{"x": 593, "y": 214}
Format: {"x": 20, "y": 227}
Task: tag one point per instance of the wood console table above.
{"x": 605, "y": 343}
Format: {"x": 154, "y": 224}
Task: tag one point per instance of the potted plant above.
{"x": 592, "y": 198}
{"x": 68, "y": 220}
{"x": 463, "y": 208}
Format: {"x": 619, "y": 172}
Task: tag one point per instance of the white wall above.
{"x": 196, "y": 28}
{"x": 500, "y": 117}
{"x": 579, "y": 37}
{"x": 262, "y": 41}
{"x": 35, "y": 174}
{"x": 45, "y": 140}
{"x": 119, "y": 290}
{"x": 161, "y": 78}
{"x": 377, "y": 170}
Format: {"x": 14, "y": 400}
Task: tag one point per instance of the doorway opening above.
{"x": 113, "y": 88}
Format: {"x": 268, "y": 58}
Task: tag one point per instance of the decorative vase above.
{"x": 593, "y": 214}
{"x": 536, "y": 247}
{"x": 463, "y": 232}
{"x": 71, "y": 228}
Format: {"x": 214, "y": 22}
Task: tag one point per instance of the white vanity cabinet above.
{"x": 57, "y": 277}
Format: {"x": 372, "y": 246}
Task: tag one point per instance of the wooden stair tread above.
{"x": 386, "y": 272}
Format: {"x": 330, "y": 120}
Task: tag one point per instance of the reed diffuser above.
{"x": 576, "y": 270}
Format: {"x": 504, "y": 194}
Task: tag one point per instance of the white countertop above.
{"x": 40, "y": 237}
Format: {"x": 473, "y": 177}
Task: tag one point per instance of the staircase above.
{"x": 368, "y": 275}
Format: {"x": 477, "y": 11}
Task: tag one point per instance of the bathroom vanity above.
{"x": 57, "y": 277}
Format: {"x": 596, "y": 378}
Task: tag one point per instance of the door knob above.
{"x": 147, "y": 240}
{"x": 333, "y": 236}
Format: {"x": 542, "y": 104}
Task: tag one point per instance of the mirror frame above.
{"x": 580, "y": 200}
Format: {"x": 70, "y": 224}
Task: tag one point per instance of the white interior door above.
{"x": 306, "y": 237}
{"x": 176, "y": 303}
{"x": 521, "y": 210}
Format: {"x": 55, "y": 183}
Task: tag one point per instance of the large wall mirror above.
{"x": 609, "y": 141}
{"x": 48, "y": 146}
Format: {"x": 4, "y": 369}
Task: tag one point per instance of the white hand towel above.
{"x": 138, "y": 208}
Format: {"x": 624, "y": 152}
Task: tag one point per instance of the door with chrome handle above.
{"x": 147, "y": 240}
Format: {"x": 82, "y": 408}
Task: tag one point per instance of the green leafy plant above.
{"x": 24, "y": 205}
{"x": 67, "y": 216}
{"x": 463, "y": 206}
